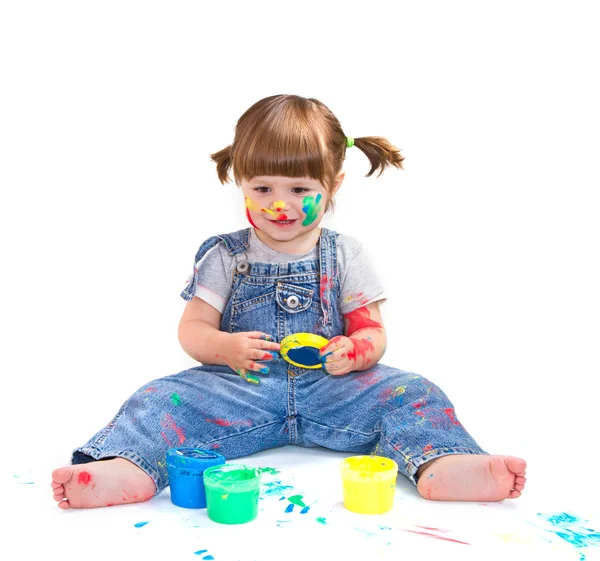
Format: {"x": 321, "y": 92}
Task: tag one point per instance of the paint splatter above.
{"x": 435, "y": 536}
{"x": 169, "y": 423}
{"x": 84, "y": 478}
{"x": 570, "y": 528}
{"x": 202, "y": 552}
{"x": 269, "y": 470}
{"x": 175, "y": 399}
{"x": 296, "y": 500}
{"x": 321, "y": 520}
{"x": 361, "y": 348}
{"x": 326, "y": 283}
{"x": 450, "y": 412}
{"x": 427, "y": 448}
{"x": 360, "y": 319}
{"x": 226, "y": 423}
{"x": 311, "y": 206}
{"x": 141, "y": 524}
{"x": 275, "y": 488}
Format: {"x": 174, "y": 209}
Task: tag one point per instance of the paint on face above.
{"x": 311, "y": 206}
{"x": 360, "y": 319}
{"x": 275, "y": 210}
{"x": 250, "y": 206}
{"x": 361, "y": 348}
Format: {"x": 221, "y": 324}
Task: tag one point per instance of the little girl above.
{"x": 250, "y": 289}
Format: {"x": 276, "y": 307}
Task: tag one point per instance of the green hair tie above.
{"x": 349, "y": 142}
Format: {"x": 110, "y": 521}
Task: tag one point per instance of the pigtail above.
{"x": 224, "y": 162}
{"x": 380, "y": 153}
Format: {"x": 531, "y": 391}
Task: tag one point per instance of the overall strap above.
{"x": 236, "y": 242}
{"x": 328, "y": 267}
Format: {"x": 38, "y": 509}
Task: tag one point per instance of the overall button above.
{"x": 293, "y": 301}
{"x": 242, "y": 267}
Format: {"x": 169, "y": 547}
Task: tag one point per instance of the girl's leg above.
{"x": 205, "y": 407}
{"x": 404, "y": 416}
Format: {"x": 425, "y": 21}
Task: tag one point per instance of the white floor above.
{"x": 513, "y": 529}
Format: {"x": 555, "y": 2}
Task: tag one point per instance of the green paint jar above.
{"x": 232, "y": 493}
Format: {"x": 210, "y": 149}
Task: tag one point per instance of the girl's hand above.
{"x": 336, "y": 356}
{"x": 241, "y": 350}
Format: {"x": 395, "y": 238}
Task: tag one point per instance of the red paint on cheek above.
{"x": 250, "y": 219}
{"x": 359, "y": 319}
{"x": 84, "y": 478}
{"x": 361, "y": 348}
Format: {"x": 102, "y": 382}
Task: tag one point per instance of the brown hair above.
{"x": 293, "y": 136}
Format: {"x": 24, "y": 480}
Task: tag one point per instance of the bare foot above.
{"x": 472, "y": 477}
{"x": 104, "y": 483}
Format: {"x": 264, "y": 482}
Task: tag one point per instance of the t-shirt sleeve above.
{"x": 359, "y": 283}
{"x": 214, "y": 277}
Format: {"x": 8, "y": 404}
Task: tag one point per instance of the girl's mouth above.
{"x": 283, "y": 223}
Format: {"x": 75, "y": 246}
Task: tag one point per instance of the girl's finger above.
{"x": 266, "y": 345}
{"x": 333, "y": 345}
{"x": 255, "y": 367}
{"x": 259, "y": 335}
{"x": 257, "y": 354}
{"x": 247, "y": 376}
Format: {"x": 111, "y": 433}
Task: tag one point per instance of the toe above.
{"x": 64, "y": 504}
{"x": 515, "y": 465}
{"x": 62, "y": 475}
{"x": 514, "y": 494}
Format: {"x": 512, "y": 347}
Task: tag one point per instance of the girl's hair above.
{"x": 293, "y": 136}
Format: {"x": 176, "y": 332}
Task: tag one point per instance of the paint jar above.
{"x": 232, "y": 493}
{"x": 186, "y": 469}
{"x": 369, "y": 483}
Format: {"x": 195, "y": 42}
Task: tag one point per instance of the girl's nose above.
{"x": 276, "y": 207}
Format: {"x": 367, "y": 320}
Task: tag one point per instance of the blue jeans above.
{"x": 385, "y": 411}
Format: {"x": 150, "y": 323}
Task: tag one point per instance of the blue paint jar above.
{"x": 186, "y": 469}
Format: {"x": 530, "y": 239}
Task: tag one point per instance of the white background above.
{"x": 487, "y": 243}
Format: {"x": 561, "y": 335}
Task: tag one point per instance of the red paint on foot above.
{"x": 84, "y": 478}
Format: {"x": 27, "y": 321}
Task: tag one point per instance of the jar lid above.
{"x": 193, "y": 458}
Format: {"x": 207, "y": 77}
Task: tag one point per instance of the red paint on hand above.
{"x": 361, "y": 348}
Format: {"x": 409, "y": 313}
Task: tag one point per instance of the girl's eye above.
{"x": 262, "y": 189}
{"x": 299, "y": 190}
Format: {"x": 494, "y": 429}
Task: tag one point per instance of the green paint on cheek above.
{"x": 311, "y": 206}
{"x": 175, "y": 399}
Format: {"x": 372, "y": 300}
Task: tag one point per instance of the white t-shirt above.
{"x": 358, "y": 282}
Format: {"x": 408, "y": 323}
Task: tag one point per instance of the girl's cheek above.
{"x": 311, "y": 207}
{"x": 251, "y": 205}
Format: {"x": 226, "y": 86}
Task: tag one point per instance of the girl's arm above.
{"x": 200, "y": 337}
{"x": 362, "y": 346}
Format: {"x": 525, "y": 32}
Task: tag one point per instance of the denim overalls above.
{"x": 383, "y": 410}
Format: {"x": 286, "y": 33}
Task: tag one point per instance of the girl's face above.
{"x": 285, "y": 209}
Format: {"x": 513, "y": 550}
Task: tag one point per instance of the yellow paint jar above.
{"x": 369, "y": 483}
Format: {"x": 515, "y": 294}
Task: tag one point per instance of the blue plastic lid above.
{"x": 194, "y": 459}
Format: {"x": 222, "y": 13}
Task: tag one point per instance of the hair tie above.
{"x": 349, "y": 142}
